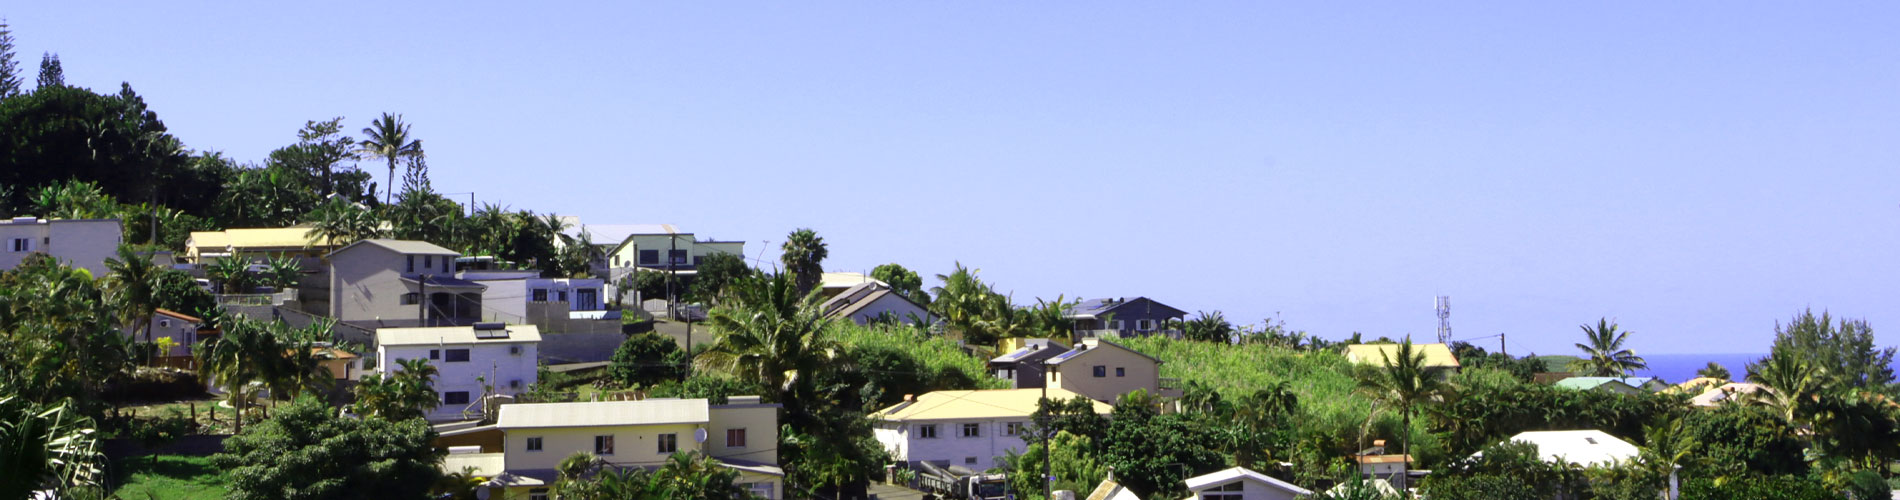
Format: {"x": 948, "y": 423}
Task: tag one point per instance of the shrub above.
{"x": 646, "y": 358}
{"x": 1757, "y": 487}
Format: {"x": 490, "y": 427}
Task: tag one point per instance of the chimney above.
{"x": 908, "y": 398}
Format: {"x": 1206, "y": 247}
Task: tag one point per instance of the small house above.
{"x": 873, "y": 301}
{"x": 970, "y": 429}
{"x": 1123, "y": 317}
{"x": 486, "y": 359}
{"x": 1104, "y": 371}
{"x": 1610, "y": 384}
{"x": 1023, "y": 367}
{"x": 1240, "y": 483}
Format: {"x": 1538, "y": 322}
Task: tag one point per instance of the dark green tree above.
{"x": 406, "y": 395}
{"x": 1152, "y": 453}
{"x": 61, "y": 335}
{"x": 68, "y": 133}
{"x": 1845, "y": 348}
{"x": 1715, "y": 371}
{"x": 717, "y": 271}
{"x": 320, "y": 149}
{"x": 1605, "y": 355}
{"x": 903, "y": 281}
{"x": 178, "y": 291}
{"x": 51, "y": 75}
{"x": 804, "y": 255}
{"x": 307, "y": 451}
{"x": 645, "y": 359}
{"x": 9, "y": 67}
{"x": 1209, "y": 328}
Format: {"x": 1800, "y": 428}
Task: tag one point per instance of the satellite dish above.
{"x": 481, "y": 494}
{"x": 699, "y": 435}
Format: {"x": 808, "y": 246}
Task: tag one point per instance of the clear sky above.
{"x": 1695, "y": 170}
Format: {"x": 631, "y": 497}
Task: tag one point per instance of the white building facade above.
{"x": 969, "y": 429}
{"x": 81, "y": 243}
{"x": 470, "y": 361}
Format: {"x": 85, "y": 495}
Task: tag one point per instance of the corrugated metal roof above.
{"x": 1436, "y": 355}
{"x": 603, "y": 413}
{"x": 453, "y": 335}
{"x": 1588, "y": 383}
{"x": 1092, "y": 345}
{"x": 261, "y": 237}
{"x": 978, "y": 404}
{"x": 1587, "y": 447}
{"x": 1224, "y": 476}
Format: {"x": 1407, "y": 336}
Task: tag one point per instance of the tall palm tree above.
{"x": 1793, "y": 384}
{"x": 962, "y": 299}
{"x": 767, "y": 332}
{"x": 1604, "y": 355}
{"x": 388, "y": 138}
{"x": 1404, "y": 383}
{"x": 131, "y": 287}
{"x": 232, "y": 360}
{"x": 341, "y": 222}
{"x": 804, "y": 254}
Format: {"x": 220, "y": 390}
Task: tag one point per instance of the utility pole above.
{"x": 1048, "y": 447}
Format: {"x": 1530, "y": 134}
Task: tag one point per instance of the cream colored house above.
{"x": 392, "y": 283}
{"x": 1242, "y": 484}
{"x": 741, "y": 434}
{"x": 970, "y": 429}
{"x": 80, "y": 243}
{"x": 1104, "y": 370}
{"x": 258, "y": 242}
{"x": 657, "y": 247}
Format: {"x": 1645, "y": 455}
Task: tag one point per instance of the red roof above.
{"x": 176, "y": 314}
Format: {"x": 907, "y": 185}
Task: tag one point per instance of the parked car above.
{"x": 689, "y": 312}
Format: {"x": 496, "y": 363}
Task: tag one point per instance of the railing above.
{"x": 258, "y": 299}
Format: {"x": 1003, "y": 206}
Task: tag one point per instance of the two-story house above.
{"x": 969, "y": 429}
{"x": 656, "y": 247}
{"x": 512, "y": 295}
{"x": 383, "y": 283}
{"x": 872, "y": 301}
{"x": 1023, "y": 367}
{"x": 80, "y": 243}
{"x": 1104, "y": 371}
{"x": 470, "y": 361}
{"x": 1123, "y": 317}
{"x": 741, "y": 434}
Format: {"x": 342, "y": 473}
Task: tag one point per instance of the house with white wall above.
{"x": 1240, "y": 483}
{"x": 969, "y": 429}
{"x": 654, "y": 247}
{"x": 469, "y": 361}
{"x": 509, "y": 293}
{"x": 400, "y": 283}
{"x": 529, "y": 439}
{"x": 80, "y": 243}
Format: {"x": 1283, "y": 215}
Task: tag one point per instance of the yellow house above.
{"x": 1436, "y": 355}
{"x": 1104, "y": 371}
{"x": 534, "y": 437}
{"x": 252, "y": 242}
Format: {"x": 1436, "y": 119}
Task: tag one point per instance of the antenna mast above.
{"x": 1443, "y": 304}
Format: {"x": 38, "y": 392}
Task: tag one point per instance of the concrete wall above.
{"x": 366, "y": 284}
{"x": 182, "y": 333}
{"x": 488, "y": 360}
{"x": 634, "y": 445}
{"x": 950, "y": 447}
{"x": 760, "y": 422}
{"x": 81, "y": 243}
{"x": 1077, "y": 374}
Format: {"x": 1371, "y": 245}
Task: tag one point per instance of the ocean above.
{"x": 1678, "y": 368}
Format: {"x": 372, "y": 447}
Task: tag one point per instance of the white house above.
{"x": 868, "y": 301}
{"x": 1586, "y": 448}
{"x": 1242, "y": 484}
{"x": 970, "y": 429}
{"x": 81, "y": 243}
{"x": 466, "y": 358}
{"x": 515, "y": 296}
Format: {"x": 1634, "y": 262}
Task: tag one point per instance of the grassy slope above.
{"x": 934, "y": 353}
{"x": 170, "y": 477}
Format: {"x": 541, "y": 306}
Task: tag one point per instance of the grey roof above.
{"x": 402, "y": 246}
{"x": 432, "y": 335}
{"x": 1098, "y": 307}
{"x": 1091, "y": 345}
{"x": 848, "y": 307}
{"x": 604, "y": 413}
{"x": 445, "y": 282}
{"x": 614, "y": 234}
{"x": 1036, "y": 348}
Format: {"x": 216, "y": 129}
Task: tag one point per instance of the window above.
{"x": 1146, "y": 325}
{"x": 760, "y": 489}
{"x": 697, "y": 260}
{"x": 676, "y": 256}
{"x": 927, "y": 431}
{"x": 22, "y": 244}
{"x": 540, "y": 295}
{"x": 412, "y": 263}
{"x": 1229, "y": 491}
{"x": 410, "y": 299}
{"x": 455, "y": 398}
{"x": 586, "y": 298}
{"x": 735, "y": 438}
{"x": 1100, "y": 371}
{"x": 604, "y": 445}
{"x": 457, "y": 356}
{"x": 972, "y": 430}
{"x": 1013, "y": 428}
{"x": 445, "y": 264}
{"x": 649, "y": 257}
{"x": 560, "y": 296}
{"x": 1121, "y": 372}
{"x": 538, "y": 494}
{"x": 1115, "y": 325}
{"x": 428, "y": 261}
{"x": 435, "y": 354}
{"x": 534, "y": 444}
{"x": 669, "y": 443}
{"x": 969, "y": 460}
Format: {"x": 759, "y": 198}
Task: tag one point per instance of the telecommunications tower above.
{"x": 1443, "y": 304}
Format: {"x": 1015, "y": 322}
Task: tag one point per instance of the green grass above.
{"x": 933, "y": 353}
{"x": 169, "y": 477}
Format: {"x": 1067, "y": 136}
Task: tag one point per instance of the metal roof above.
{"x": 976, "y": 404}
{"x": 453, "y": 335}
{"x": 1586, "y": 447}
{"x": 401, "y": 246}
{"x": 1589, "y": 383}
{"x": 603, "y": 413}
{"x": 260, "y": 237}
{"x": 1225, "y": 476}
{"x": 1091, "y": 308}
{"x": 1092, "y": 345}
{"x": 614, "y": 234}
{"x": 1033, "y": 348}
{"x": 445, "y": 282}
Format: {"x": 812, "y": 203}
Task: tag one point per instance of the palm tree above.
{"x": 804, "y": 254}
{"x": 767, "y": 332}
{"x": 341, "y": 222}
{"x": 1605, "y": 356}
{"x": 131, "y": 286}
{"x": 232, "y": 360}
{"x": 231, "y": 274}
{"x": 45, "y": 448}
{"x": 1404, "y": 383}
{"x": 962, "y": 299}
{"x": 1714, "y": 371}
{"x": 388, "y": 138}
{"x": 1793, "y": 384}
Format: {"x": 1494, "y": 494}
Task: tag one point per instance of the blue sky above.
{"x": 1695, "y": 170}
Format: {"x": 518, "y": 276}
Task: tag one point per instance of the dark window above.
{"x": 435, "y": 354}
{"x": 428, "y": 261}
{"x": 604, "y": 445}
{"x": 409, "y": 299}
{"x": 538, "y": 494}
{"x": 669, "y": 443}
{"x": 1121, "y": 372}
{"x": 1101, "y": 371}
{"x": 20, "y": 244}
{"x": 534, "y": 444}
{"x": 455, "y": 398}
{"x": 586, "y": 297}
{"x": 698, "y": 260}
{"x": 457, "y": 356}
{"x": 677, "y": 256}
{"x": 540, "y": 295}
{"x": 972, "y": 430}
{"x": 560, "y": 296}
{"x": 927, "y": 432}
{"x": 412, "y": 264}
{"x": 648, "y": 257}
{"x": 735, "y": 438}
{"x": 445, "y": 263}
